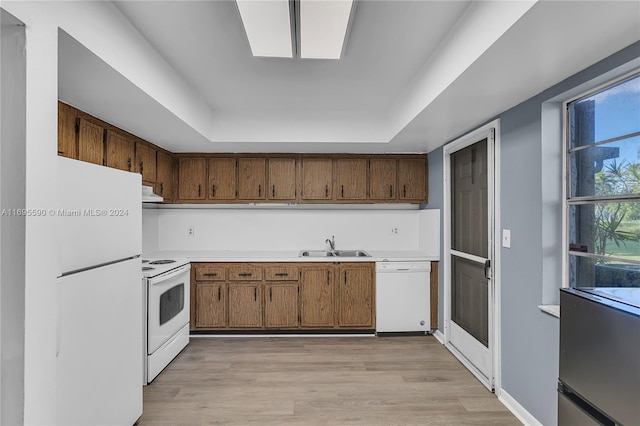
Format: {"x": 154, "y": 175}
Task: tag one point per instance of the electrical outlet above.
{"x": 190, "y": 231}
{"x": 506, "y": 238}
{"x": 394, "y": 231}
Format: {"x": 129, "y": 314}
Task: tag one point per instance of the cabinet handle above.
{"x": 327, "y": 277}
{"x": 390, "y": 190}
{"x": 60, "y": 152}
{"x": 259, "y": 190}
{"x": 255, "y": 294}
{"x": 342, "y": 191}
{"x": 270, "y": 294}
{"x": 213, "y": 190}
{"x": 326, "y": 190}
{"x": 404, "y": 191}
{"x": 199, "y": 190}
{"x": 161, "y": 188}
{"x": 245, "y": 274}
{"x": 219, "y": 294}
{"x": 141, "y": 167}
{"x": 273, "y": 191}
{"x": 129, "y": 164}
{"x": 211, "y": 275}
{"x": 281, "y": 274}
{"x": 345, "y": 277}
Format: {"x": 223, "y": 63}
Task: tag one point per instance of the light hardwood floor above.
{"x": 319, "y": 381}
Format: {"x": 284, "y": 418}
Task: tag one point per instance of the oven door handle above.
{"x": 162, "y": 278}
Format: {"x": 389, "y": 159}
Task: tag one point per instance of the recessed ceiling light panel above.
{"x": 267, "y": 24}
{"x": 323, "y": 27}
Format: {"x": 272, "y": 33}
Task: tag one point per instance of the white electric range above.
{"x": 166, "y": 306}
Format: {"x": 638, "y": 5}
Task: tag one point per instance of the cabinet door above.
{"x": 245, "y": 305}
{"x": 281, "y": 305}
{"x": 382, "y": 179}
{"x": 316, "y": 297}
{"x": 90, "y": 142}
{"x": 119, "y": 151}
{"x": 222, "y": 179}
{"x": 164, "y": 176}
{"x": 211, "y": 302}
{"x": 251, "y": 178}
{"x": 355, "y": 295}
{"x": 281, "y": 179}
{"x": 192, "y": 174}
{"x": 317, "y": 179}
{"x": 67, "y": 141}
{"x": 146, "y": 163}
{"x": 412, "y": 179}
{"x": 351, "y": 179}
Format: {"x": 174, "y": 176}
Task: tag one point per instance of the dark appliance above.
{"x": 599, "y": 375}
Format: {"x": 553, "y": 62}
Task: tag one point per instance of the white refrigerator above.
{"x": 99, "y": 324}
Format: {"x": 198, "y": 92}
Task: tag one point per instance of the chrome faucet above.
{"x": 332, "y": 243}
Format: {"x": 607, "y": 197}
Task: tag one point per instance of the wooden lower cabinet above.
{"x": 211, "y": 305}
{"x": 281, "y": 296}
{"x": 355, "y": 302}
{"x": 316, "y": 297}
{"x": 245, "y": 305}
{"x": 281, "y": 305}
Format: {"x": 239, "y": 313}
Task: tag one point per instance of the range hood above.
{"x": 148, "y": 196}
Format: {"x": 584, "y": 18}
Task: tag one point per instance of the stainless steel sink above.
{"x": 337, "y": 253}
{"x": 352, "y": 253}
{"x": 316, "y": 253}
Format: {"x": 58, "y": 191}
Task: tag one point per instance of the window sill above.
{"x": 553, "y": 310}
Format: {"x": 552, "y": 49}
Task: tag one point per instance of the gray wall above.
{"x": 529, "y": 336}
{"x": 12, "y": 228}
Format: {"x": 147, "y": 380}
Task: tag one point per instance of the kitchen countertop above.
{"x": 285, "y": 256}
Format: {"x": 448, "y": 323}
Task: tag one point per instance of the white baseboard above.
{"x": 439, "y": 336}
{"x": 518, "y": 410}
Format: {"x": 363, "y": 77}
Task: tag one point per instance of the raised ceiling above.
{"x": 414, "y": 74}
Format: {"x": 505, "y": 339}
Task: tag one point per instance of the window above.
{"x": 602, "y": 155}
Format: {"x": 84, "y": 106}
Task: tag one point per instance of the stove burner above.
{"x": 161, "y": 262}
{"x": 147, "y": 268}
{"x": 145, "y": 261}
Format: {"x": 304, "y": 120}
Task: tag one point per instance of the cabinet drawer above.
{"x": 281, "y": 273}
{"x": 245, "y": 273}
{"x": 210, "y": 273}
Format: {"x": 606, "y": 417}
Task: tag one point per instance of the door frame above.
{"x": 491, "y": 131}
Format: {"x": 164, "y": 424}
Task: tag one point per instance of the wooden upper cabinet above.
{"x": 317, "y": 178}
{"x": 355, "y": 295}
{"x": 120, "y": 151}
{"x": 382, "y": 179}
{"x": 351, "y": 179}
{"x": 146, "y": 163}
{"x": 412, "y": 179}
{"x": 251, "y": 178}
{"x": 67, "y": 135}
{"x": 222, "y": 179}
{"x": 192, "y": 177}
{"x": 90, "y": 142}
{"x": 164, "y": 176}
{"x": 281, "y": 175}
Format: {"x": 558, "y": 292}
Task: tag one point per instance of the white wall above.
{"x": 279, "y": 229}
{"x": 41, "y": 265}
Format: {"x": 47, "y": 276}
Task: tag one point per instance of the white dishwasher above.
{"x": 402, "y": 296}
